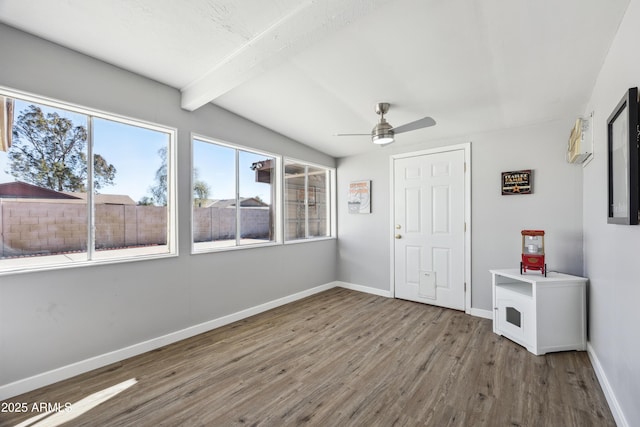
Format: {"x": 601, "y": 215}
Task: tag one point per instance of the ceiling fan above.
{"x": 383, "y": 133}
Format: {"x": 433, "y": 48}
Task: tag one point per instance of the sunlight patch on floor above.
{"x": 53, "y": 419}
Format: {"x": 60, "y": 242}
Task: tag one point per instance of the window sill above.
{"x": 228, "y": 245}
{"x": 311, "y": 239}
{"x": 223, "y": 246}
{"x": 64, "y": 261}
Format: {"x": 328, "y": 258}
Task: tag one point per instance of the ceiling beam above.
{"x": 299, "y": 28}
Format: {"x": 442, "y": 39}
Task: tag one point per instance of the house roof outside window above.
{"x": 23, "y": 190}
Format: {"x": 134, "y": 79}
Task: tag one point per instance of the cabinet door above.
{"x": 515, "y": 318}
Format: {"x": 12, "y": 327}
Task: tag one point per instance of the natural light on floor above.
{"x": 56, "y": 418}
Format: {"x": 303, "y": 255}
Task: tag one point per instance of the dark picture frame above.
{"x": 517, "y": 182}
{"x": 622, "y": 152}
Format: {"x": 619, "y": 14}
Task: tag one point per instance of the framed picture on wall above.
{"x": 622, "y": 152}
{"x": 517, "y": 182}
{"x": 359, "y": 201}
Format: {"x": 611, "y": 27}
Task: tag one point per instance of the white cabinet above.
{"x": 543, "y": 314}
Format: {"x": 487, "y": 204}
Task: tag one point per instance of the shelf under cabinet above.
{"x": 521, "y": 288}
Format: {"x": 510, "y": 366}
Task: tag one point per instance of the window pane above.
{"x": 256, "y": 177}
{"x": 318, "y": 183}
{"x": 294, "y": 197}
{"x": 214, "y": 196}
{"x": 131, "y": 189}
{"x": 307, "y": 201}
{"x": 43, "y": 184}
{"x": 45, "y": 215}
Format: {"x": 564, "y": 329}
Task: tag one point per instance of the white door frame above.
{"x": 467, "y": 214}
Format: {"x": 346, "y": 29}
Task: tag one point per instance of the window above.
{"x": 307, "y": 201}
{"x": 234, "y": 190}
{"x": 57, "y": 208}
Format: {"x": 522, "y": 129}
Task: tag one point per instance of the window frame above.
{"x": 275, "y": 202}
{"x": 172, "y": 207}
{"x": 331, "y": 202}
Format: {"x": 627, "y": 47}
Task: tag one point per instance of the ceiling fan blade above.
{"x": 424, "y": 122}
{"x": 352, "y": 134}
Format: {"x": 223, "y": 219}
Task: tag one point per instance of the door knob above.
{"x": 398, "y": 236}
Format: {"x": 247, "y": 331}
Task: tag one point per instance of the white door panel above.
{"x": 429, "y": 212}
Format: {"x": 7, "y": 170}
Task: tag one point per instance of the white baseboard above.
{"x": 367, "y": 289}
{"x": 618, "y": 415}
{"x": 478, "y": 312}
{"x": 68, "y": 371}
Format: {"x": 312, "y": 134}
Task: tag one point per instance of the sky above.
{"x": 134, "y": 153}
{"x": 215, "y": 165}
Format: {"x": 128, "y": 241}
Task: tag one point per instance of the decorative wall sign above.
{"x": 517, "y": 182}
{"x": 359, "y": 197}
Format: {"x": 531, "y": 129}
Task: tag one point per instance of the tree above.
{"x": 49, "y": 151}
{"x": 201, "y": 189}
{"x": 103, "y": 172}
{"x": 145, "y": 201}
{"x": 159, "y": 190}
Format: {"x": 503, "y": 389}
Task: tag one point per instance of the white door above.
{"x": 429, "y": 234}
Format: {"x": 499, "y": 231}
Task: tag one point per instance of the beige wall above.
{"x": 212, "y": 223}
{"x": 30, "y": 227}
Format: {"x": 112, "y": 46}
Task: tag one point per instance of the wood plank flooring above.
{"x": 341, "y": 358}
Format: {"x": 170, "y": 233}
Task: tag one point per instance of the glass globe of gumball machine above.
{"x": 533, "y": 252}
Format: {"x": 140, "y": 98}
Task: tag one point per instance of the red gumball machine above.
{"x": 533, "y": 251}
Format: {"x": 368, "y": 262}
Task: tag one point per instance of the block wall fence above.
{"x": 29, "y": 227}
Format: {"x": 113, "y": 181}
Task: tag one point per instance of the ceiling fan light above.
{"x": 382, "y": 139}
{"x": 382, "y": 133}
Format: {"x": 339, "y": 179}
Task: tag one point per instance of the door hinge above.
{"x": 465, "y": 286}
{"x": 465, "y": 226}
{"x": 465, "y": 167}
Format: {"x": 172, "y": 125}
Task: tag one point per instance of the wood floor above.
{"x": 341, "y": 358}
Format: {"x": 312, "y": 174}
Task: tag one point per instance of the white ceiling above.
{"x": 312, "y": 68}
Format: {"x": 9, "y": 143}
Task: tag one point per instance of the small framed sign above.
{"x": 359, "y": 197}
{"x": 517, "y": 182}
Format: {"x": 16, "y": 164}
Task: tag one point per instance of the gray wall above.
{"x": 55, "y": 318}
{"x": 612, "y": 251}
{"x": 555, "y": 206}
